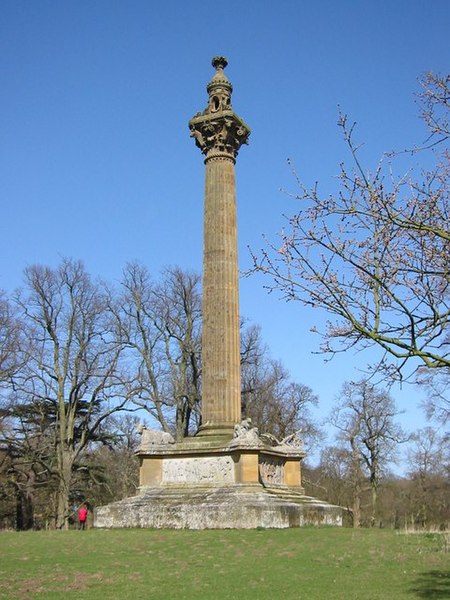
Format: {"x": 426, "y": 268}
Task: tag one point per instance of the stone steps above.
{"x": 228, "y": 507}
{"x": 285, "y": 493}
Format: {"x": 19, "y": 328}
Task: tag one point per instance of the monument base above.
{"x": 210, "y": 483}
{"x": 230, "y": 507}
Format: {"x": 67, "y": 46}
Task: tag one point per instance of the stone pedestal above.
{"x": 203, "y": 484}
{"x": 196, "y": 463}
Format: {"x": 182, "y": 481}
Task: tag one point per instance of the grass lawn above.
{"x": 300, "y": 564}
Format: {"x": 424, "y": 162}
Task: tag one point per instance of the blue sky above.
{"x": 96, "y": 162}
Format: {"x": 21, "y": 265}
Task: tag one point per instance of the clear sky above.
{"x": 96, "y": 162}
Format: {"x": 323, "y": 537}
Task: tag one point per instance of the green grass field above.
{"x": 268, "y": 564}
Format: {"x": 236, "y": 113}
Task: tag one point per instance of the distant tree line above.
{"x": 357, "y": 471}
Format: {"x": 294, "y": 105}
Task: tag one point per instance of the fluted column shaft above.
{"x": 221, "y": 397}
{"x": 219, "y": 133}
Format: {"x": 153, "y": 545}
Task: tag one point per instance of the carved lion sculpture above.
{"x": 245, "y": 434}
{"x": 153, "y": 437}
{"x": 292, "y": 441}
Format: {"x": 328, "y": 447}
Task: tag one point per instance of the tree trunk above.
{"x": 24, "y": 510}
{"x": 356, "y": 471}
{"x": 25, "y": 503}
{"x": 374, "y": 504}
{"x": 65, "y": 464}
{"x": 356, "y": 511}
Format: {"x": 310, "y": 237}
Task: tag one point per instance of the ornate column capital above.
{"x": 218, "y": 131}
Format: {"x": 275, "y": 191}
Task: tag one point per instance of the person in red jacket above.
{"x": 82, "y": 516}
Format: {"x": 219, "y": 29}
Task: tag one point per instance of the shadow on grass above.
{"x": 433, "y": 584}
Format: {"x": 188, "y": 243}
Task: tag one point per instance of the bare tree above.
{"x": 10, "y": 334}
{"x": 435, "y": 102}
{"x": 429, "y": 471}
{"x": 111, "y": 470}
{"x": 331, "y": 479}
{"x": 429, "y": 453}
{"x": 365, "y": 418}
{"x": 72, "y": 369}
{"x": 179, "y": 318}
{"x": 134, "y": 313}
{"x": 374, "y": 255}
{"x": 276, "y": 404}
{"x": 160, "y": 324}
{"x": 437, "y": 402}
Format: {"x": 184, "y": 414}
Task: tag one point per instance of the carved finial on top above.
{"x": 219, "y": 62}
{"x": 219, "y": 81}
{"x": 218, "y": 131}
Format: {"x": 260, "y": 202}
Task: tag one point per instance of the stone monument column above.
{"x": 228, "y": 476}
{"x": 219, "y": 133}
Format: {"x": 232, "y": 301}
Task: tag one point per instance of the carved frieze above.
{"x": 205, "y": 470}
{"x": 271, "y": 470}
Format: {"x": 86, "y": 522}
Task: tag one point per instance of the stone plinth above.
{"x": 196, "y": 463}
{"x": 226, "y": 507}
{"x": 204, "y": 483}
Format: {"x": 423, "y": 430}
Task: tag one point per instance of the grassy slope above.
{"x": 296, "y": 564}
